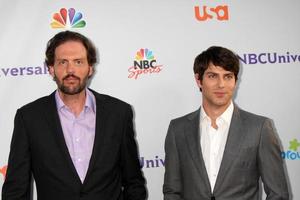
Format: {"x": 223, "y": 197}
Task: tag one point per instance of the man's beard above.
{"x": 71, "y": 90}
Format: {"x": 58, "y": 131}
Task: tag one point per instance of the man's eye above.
{"x": 211, "y": 76}
{"x": 78, "y": 62}
{"x": 229, "y": 77}
{"x": 62, "y": 62}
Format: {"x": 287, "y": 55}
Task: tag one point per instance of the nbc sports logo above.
{"x": 144, "y": 63}
{"x": 67, "y": 18}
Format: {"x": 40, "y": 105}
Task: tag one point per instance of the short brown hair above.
{"x": 218, "y": 56}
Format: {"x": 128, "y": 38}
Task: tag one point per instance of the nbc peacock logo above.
{"x": 67, "y": 18}
{"x": 144, "y": 63}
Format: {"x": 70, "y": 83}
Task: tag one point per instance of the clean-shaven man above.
{"x": 220, "y": 152}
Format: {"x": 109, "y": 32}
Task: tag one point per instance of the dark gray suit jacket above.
{"x": 252, "y": 152}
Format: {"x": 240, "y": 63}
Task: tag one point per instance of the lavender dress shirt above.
{"x": 79, "y": 132}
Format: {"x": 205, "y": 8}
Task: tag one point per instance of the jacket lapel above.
{"x": 192, "y": 133}
{"x": 233, "y": 144}
{"x": 54, "y": 124}
{"x": 101, "y": 116}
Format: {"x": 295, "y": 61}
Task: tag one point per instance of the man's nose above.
{"x": 221, "y": 82}
{"x": 70, "y": 68}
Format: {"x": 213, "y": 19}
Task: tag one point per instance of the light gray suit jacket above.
{"x": 251, "y": 152}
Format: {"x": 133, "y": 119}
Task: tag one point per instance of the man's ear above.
{"x": 198, "y": 81}
{"x": 91, "y": 72}
{"x": 51, "y": 71}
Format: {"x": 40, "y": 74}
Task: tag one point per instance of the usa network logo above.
{"x": 292, "y": 153}
{"x": 67, "y": 18}
{"x": 3, "y": 171}
{"x": 144, "y": 63}
{"x": 204, "y": 13}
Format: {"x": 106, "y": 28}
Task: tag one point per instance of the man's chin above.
{"x": 222, "y": 103}
{"x": 71, "y": 91}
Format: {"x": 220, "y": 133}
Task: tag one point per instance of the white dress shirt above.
{"x": 213, "y": 141}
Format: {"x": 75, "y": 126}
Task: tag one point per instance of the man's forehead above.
{"x": 70, "y": 50}
{"x": 216, "y": 69}
{"x": 71, "y": 58}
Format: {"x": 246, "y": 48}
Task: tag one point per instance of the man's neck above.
{"x": 74, "y": 102}
{"x": 213, "y": 112}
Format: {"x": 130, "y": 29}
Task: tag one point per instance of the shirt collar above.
{"x": 90, "y": 101}
{"x": 226, "y": 115}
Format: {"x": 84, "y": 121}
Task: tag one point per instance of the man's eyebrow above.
{"x": 211, "y": 73}
{"x": 229, "y": 73}
{"x": 79, "y": 58}
{"x": 60, "y": 59}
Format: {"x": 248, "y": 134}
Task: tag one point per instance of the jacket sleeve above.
{"x": 18, "y": 178}
{"x": 132, "y": 179}
{"x": 172, "y": 187}
{"x": 270, "y": 164}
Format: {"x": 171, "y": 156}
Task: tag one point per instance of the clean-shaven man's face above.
{"x": 218, "y": 86}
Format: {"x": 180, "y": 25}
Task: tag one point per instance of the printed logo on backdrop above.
{"x": 67, "y": 19}
{"x": 16, "y": 71}
{"x": 204, "y": 13}
{"x": 144, "y": 64}
{"x": 269, "y": 58}
{"x": 3, "y": 171}
{"x": 292, "y": 153}
{"x": 155, "y": 162}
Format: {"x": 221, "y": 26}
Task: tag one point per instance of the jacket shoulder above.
{"x": 188, "y": 116}
{"x": 37, "y": 104}
{"x": 180, "y": 121}
{"x": 249, "y": 116}
{"x": 110, "y": 101}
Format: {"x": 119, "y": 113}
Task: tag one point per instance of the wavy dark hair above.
{"x": 66, "y": 36}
